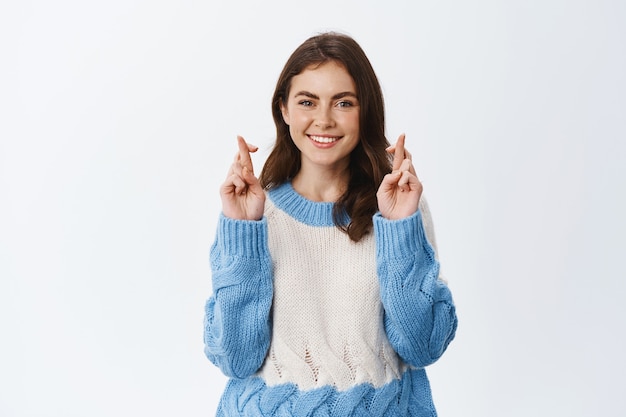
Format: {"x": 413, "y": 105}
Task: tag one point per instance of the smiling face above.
{"x": 322, "y": 112}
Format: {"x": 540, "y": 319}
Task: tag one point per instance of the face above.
{"x": 322, "y": 112}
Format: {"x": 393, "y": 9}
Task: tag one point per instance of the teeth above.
{"x": 323, "y": 139}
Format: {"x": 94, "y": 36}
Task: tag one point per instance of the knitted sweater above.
{"x": 306, "y": 322}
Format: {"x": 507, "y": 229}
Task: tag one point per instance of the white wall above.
{"x": 118, "y": 121}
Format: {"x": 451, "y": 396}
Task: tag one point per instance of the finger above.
{"x": 390, "y": 181}
{"x": 244, "y": 152}
{"x": 254, "y": 186}
{"x": 392, "y": 149}
{"x": 409, "y": 182}
{"x": 235, "y": 167}
{"x": 405, "y": 179}
{"x": 398, "y": 155}
{"x": 250, "y": 147}
{"x": 232, "y": 186}
{"x": 407, "y": 165}
{"x": 248, "y": 176}
{"x": 408, "y": 168}
{"x": 237, "y": 181}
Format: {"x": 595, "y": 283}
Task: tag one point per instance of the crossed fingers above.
{"x": 402, "y": 159}
{"x": 241, "y": 168}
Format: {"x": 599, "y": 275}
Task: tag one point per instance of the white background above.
{"x": 118, "y": 121}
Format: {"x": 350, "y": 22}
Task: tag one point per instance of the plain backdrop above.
{"x": 118, "y": 122}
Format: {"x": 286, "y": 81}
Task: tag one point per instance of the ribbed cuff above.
{"x": 400, "y": 238}
{"x": 242, "y": 238}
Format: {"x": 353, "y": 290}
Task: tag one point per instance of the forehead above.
{"x": 327, "y": 78}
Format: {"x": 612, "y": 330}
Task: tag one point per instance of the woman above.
{"x": 326, "y": 292}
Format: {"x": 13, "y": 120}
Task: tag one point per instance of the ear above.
{"x": 285, "y": 113}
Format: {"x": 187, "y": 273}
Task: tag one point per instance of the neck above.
{"x": 326, "y": 186}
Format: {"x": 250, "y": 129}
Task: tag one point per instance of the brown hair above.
{"x": 369, "y": 162}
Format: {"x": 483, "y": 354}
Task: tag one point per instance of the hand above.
{"x": 400, "y": 191}
{"x": 242, "y": 195}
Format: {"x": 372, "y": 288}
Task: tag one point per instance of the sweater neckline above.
{"x": 306, "y": 211}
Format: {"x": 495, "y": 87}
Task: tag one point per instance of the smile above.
{"x": 324, "y": 139}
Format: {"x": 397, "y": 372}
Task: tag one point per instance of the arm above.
{"x": 237, "y": 315}
{"x": 420, "y": 318}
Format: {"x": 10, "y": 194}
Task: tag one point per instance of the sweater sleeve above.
{"x": 237, "y": 315}
{"x": 419, "y": 313}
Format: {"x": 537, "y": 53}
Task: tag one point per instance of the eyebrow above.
{"x": 335, "y": 97}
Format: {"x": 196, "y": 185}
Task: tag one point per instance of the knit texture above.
{"x": 307, "y": 322}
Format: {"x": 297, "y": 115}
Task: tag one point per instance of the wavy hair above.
{"x": 369, "y": 162}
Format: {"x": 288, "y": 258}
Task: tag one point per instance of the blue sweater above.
{"x": 306, "y": 322}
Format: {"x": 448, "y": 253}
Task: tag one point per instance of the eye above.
{"x": 345, "y": 103}
{"x": 305, "y": 103}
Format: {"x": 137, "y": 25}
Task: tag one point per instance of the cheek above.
{"x": 296, "y": 129}
{"x": 351, "y": 120}
{"x": 299, "y": 120}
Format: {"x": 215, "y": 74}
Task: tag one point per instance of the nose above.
{"x": 324, "y": 118}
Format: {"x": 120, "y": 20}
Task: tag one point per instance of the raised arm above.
{"x": 420, "y": 317}
{"x": 237, "y": 322}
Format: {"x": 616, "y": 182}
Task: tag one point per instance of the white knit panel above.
{"x": 327, "y": 315}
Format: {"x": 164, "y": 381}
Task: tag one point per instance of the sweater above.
{"x": 306, "y": 322}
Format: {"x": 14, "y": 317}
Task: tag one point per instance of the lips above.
{"x": 324, "y": 139}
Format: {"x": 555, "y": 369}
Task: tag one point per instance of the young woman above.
{"x": 327, "y": 299}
